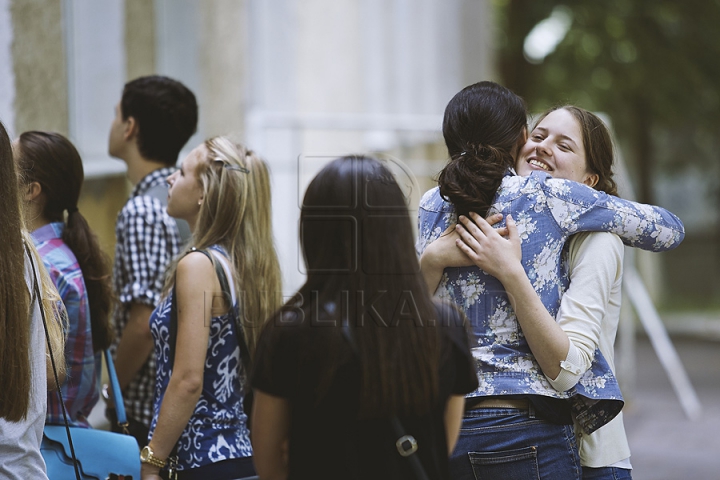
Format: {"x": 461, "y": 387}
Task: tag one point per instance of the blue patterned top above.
{"x": 547, "y": 211}
{"x": 217, "y": 429}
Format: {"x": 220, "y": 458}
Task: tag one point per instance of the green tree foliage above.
{"x": 652, "y": 65}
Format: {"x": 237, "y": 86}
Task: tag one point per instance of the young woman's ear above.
{"x": 32, "y": 191}
{"x": 591, "y": 180}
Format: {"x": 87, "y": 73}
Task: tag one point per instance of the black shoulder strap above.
{"x": 225, "y": 287}
{"x": 36, "y": 297}
{"x": 406, "y": 444}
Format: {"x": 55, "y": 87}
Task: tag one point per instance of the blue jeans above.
{"x": 510, "y": 443}
{"x": 606, "y": 473}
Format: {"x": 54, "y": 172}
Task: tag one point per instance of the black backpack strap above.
{"x": 36, "y": 297}
{"x": 405, "y": 443}
{"x": 227, "y": 295}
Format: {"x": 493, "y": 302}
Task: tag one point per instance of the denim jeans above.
{"x": 606, "y": 473}
{"x": 510, "y": 443}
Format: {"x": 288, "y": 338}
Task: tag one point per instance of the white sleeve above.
{"x": 595, "y": 263}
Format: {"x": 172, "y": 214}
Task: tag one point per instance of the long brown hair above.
{"x": 15, "y": 309}
{"x": 51, "y": 160}
{"x": 481, "y": 127}
{"x": 236, "y": 213}
{"x": 357, "y": 240}
{"x": 15, "y": 373}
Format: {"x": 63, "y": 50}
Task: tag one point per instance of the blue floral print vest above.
{"x": 547, "y": 212}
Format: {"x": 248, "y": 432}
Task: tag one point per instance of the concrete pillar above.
{"x": 7, "y": 74}
{"x": 223, "y": 38}
{"x": 39, "y": 65}
{"x": 139, "y": 38}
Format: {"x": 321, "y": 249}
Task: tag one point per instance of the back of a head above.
{"x": 51, "y": 160}
{"x": 166, "y": 112}
{"x": 481, "y": 127}
{"x": 355, "y": 221}
{"x": 597, "y": 143}
{"x": 357, "y": 240}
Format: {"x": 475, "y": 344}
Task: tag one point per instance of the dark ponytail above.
{"x": 469, "y": 180}
{"x": 482, "y": 125}
{"x": 52, "y": 161}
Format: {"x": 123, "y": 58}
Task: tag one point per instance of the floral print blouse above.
{"x": 547, "y": 212}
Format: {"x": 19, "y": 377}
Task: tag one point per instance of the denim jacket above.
{"x": 547, "y": 211}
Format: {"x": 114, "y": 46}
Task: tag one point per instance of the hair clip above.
{"x": 228, "y": 166}
{"x": 236, "y": 167}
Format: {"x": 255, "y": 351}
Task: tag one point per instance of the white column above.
{"x": 96, "y": 74}
{"x": 273, "y": 79}
{"x": 7, "y": 77}
{"x": 177, "y": 46}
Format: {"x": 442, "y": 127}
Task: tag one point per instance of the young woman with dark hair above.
{"x": 51, "y": 174}
{"x": 526, "y": 422}
{"x": 360, "y": 343}
{"x": 26, "y": 372}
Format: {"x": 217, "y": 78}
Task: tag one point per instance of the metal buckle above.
{"x": 406, "y": 445}
{"x": 172, "y": 467}
{"x": 124, "y": 427}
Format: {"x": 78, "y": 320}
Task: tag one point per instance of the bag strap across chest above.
{"x": 227, "y": 296}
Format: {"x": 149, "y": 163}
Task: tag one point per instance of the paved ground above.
{"x": 666, "y": 445}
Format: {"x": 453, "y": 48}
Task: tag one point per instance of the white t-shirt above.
{"x": 20, "y": 457}
{"x": 589, "y": 314}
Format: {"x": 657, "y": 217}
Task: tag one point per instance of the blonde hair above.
{"x": 50, "y": 303}
{"x": 236, "y": 214}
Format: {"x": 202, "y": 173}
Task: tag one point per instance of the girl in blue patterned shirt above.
{"x": 223, "y": 191}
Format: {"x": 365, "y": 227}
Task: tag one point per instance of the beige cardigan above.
{"x": 589, "y": 314}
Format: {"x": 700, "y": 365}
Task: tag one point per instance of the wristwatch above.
{"x": 148, "y": 456}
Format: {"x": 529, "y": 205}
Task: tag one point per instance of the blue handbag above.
{"x": 99, "y": 453}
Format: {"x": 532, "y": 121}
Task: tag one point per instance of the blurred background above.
{"x": 303, "y": 81}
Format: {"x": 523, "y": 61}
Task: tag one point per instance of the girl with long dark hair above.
{"x": 359, "y": 344}
{"x": 51, "y": 174}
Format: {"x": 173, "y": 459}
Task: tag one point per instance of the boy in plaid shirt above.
{"x": 153, "y": 121}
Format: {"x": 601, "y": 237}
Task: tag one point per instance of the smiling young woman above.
{"x": 556, "y": 146}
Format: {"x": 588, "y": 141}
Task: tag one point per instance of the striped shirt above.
{"x": 81, "y": 390}
{"x": 147, "y": 239}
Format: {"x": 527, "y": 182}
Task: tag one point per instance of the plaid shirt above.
{"x": 147, "y": 239}
{"x": 81, "y": 391}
